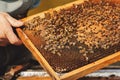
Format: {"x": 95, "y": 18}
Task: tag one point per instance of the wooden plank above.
{"x": 80, "y": 72}
{"x": 38, "y": 56}
{"x": 34, "y": 78}
{"x": 85, "y": 78}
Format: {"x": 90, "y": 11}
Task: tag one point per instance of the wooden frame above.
{"x": 72, "y": 75}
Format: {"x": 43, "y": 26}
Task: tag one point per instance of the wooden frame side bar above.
{"x": 38, "y": 56}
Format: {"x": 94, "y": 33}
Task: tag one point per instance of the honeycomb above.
{"x": 78, "y": 35}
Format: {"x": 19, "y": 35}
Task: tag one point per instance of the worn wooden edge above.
{"x": 80, "y": 72}
{"x": 38, "y": 56}
{"x": 34, "y": 78}
{"x": 65, "y": 6}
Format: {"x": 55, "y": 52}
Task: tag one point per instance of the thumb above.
{"x": 13, "y": 21}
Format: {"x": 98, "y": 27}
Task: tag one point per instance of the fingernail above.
{"x": 20, "y": 22}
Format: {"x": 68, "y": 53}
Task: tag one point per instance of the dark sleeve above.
{"x": 22, "y": 11}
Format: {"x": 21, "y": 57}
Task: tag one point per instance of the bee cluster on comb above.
{"x": 78, "y": 35}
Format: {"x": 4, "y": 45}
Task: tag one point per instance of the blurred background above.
{"x": 47, "y": 4}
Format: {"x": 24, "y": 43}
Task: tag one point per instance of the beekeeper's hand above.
{"x": 7, "y": 36}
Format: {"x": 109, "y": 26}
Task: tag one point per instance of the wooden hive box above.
{"x": 72, "y": 59}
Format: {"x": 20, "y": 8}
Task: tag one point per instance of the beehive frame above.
{"x": 77, "y": 73}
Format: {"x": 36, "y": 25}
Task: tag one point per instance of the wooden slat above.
{"x": 80, "y": 72}
{"x": 85, "y": 78}
{"x": 38, "y": 56}
{"x": 34, "y": 78}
